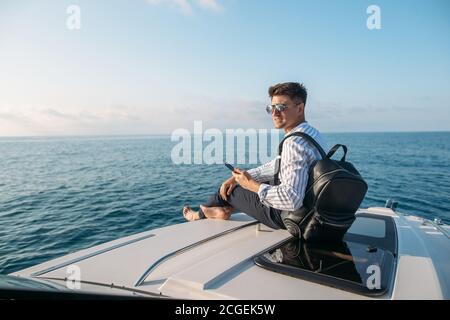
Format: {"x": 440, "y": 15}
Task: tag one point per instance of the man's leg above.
{"x": 215, "y": 208}
{"x": 242, "y": 200}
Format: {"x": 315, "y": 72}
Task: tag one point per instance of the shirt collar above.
{"x": 300, "y": 127}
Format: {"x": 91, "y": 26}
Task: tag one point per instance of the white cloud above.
{"x": 209, "y": 5}
{"x": 186, "y": 6}
{"x": 162, "y": 117}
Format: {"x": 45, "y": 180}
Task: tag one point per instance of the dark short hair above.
{"x": 293, "y": 90}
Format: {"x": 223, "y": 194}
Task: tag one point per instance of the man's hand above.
{"x": 245, "y": 180}
{"x": 227, "y": 187}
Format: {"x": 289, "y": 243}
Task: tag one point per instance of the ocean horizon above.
{"x": 169, "y": 134}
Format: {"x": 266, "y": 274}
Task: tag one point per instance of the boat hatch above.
{"x": 364, "y": 262}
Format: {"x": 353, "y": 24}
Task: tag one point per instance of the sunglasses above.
{"x": 279, "y": 107}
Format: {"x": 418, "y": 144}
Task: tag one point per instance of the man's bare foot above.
{"x": 189, "y": 214}
{"x": 223, "y": 213}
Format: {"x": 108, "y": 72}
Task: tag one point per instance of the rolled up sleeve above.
{"x": 289, "y": 194}
{"x": 264, "y": 172}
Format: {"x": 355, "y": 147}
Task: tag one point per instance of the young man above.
{"x": 246, "y": 191}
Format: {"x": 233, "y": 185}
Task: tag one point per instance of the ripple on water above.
{"x": 62, "y": 195}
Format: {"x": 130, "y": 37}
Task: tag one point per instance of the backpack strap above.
{"x": 334, "y": 149}
{"x": 280, "y": 149}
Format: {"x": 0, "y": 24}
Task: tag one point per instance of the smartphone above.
{"x": 229, "y": 166}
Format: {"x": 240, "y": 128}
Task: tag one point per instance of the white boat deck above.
{"x": 213, "y": 259}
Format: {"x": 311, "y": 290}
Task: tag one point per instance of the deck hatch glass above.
{"x": 349, "y": 265}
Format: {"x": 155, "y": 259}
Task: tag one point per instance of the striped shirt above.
{"x": 296, "y": 159}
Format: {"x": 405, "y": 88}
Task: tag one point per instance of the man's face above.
{"x": 288, "y": 118}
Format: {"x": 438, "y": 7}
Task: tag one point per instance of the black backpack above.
{"x": 333, "y": 194}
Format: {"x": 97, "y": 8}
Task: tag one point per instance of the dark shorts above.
{"x": 243, "y": 200}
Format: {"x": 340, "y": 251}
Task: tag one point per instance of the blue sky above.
{"x": 152, "y": 66}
